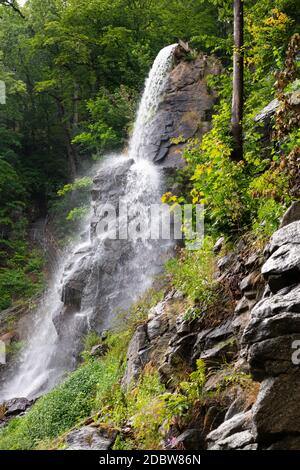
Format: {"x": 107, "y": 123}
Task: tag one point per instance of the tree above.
{"x": 13, "y": 4}
{"x": 238, "y": 81}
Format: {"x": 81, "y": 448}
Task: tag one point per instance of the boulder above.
{"x": 90, "y": 438}
{"x": 291, "y": 215}
{"x": 286, "y": 300}
{"x": 285, "y": 323}
{"x": 271, "y": 357}
{"x": 288, "y": 234}
{"x": 283, "y": 267}
{"x": 16, "y": 406}
{"x": 276, "y": 411}
{"x": 238, "y": 423}
{"x": 99, "y": 350}
{"x": 234, "y": 442}
{"x": 184, "y": 112}
{"x": 191, "y": 439}
{"x": 136, "y": 356}
{"x": 218, "y": 245}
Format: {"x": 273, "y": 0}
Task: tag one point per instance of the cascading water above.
{"x": 106, "y": 274}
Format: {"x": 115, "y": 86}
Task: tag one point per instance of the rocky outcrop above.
{"x": 12, "y": 408}
{"x": 272, "y": 337}
{"x": 90, "y": 438}
{"x": 185, "y": 110}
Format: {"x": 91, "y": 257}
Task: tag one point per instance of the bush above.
{"x": 192, "y": 274}
{"x": 69, "y": 403}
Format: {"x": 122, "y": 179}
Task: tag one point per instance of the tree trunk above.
{"x": 238, "y": 82}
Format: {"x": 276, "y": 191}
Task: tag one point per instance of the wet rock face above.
{"x": 184, "y": 112}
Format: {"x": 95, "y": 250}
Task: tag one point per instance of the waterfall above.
{"x": 102, "y": 276}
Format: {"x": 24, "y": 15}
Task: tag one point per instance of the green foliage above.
{"x": 268, "y": 218}
{"x": 90, "y": 340}
{"x": 192, "y": 274}
{"x": 69, "y": 403}
{"x": 187, "y": 394}
{"x": 111, "y": 115}
{"x": 72, "y": 206}
{"x": 22, "y": 277}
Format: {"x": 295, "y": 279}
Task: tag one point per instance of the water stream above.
{"x": 102, "y": 276}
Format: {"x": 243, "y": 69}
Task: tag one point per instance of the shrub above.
{"x": 192, "y": 274}
{"x": 67, "y": 404}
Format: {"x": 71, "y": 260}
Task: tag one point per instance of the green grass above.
{"x": 69, "y": 403}
{"x": 193, "y": 272}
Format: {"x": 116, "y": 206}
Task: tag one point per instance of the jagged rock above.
{"x": 253, "y": 261}
{"x": 136, "y": 361}
{"x": 234, "y": 442}
{"x": 185, "y": 110}
{"x": 276, "y": 411}
{"x": 268, "y": 111}
{"x": 99, "y": 350}
{"x": 16, "y": 406}
{"x": 238, "y": 423}
{"x": 90, "y": 438}
{"x": 225, "y": 350}
{"x": 181, "y": 350}
{"x": 218, "y": 245}
{"x": 249, "y": 282}
{"x": 157, "y": 327}
{"x": 286, "y": 300}
{"x": 242, "y": 306}
{"x": 271, "y": 357}
{"x": 287, "y": 443}
{"x": 209, "y": 338}
{"x": 282, "y": 324}
{"x": 291, "y": 215}
{"x": 236, "y": 407}
{"x": 288, "y": 234}
{"x": 283, "y": 267}
{"x": 191, "y": 439}
{"x": 226, "y": 262}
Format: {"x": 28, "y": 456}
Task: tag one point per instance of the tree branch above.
{"x": 13, "y": 4}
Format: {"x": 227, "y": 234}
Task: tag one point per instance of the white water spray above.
{"x": 111, "y": 275}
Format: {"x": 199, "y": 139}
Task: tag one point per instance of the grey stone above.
{"x": 191, "y": 439}
{"x": 225, "y": 350}
{"x": 89, "y": 438}
{"x": 16, "y": 406}
{"x": 286, "y": 300}
{"x": 286, "y": 258}
{"x": 267, "y": 112}
{"x": 99, "y": 350}
{"x": 238, "y": 423}
{"x": 277, "y": 411}
{"x": 157, "y": 327}
{"x": 218, "y": 245}
{"x": 234, "y": 442}
{"x": 138, "y": 343}
{"x": 236, "y": 407}
{"x": 271, "y": 357}
{"x": 226, "y": 262}
{"x": 242, "y": 306}
{"x": 288, "y": 234}
{"x": 249, "y": 282}
{"x": 282, "y": 324}
{"x": 291, "y": 215}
